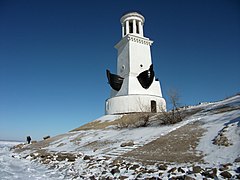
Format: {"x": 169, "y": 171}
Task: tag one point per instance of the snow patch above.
{"x": 109, "y": 118}
{"x": 213, "y": 124}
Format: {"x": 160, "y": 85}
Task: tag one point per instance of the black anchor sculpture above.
{"x": 145, "y": 78}
{"x": 114, "y": 80}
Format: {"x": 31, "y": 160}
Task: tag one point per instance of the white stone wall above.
{"x": 133, "y": 103}
{"x": 134, "y": 57}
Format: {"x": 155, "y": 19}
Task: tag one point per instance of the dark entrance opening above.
{"x": 153, "y": 106}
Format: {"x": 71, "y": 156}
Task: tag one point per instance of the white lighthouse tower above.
{"x": 134, "y": 87}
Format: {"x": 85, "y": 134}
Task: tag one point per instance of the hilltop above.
{"x": 204, "y": 144}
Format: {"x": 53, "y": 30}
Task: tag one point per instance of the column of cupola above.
{"x": 132, "y": 26}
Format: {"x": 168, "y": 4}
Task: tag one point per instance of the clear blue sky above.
{"x": 53, "y": 57}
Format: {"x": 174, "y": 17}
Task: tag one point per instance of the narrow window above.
{"x": 137, "y": 27}
{"x": 130, "y": 27}
{"x": 125, "y": 26}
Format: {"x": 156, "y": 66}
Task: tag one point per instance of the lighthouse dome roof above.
{"x": 131, "y": 16}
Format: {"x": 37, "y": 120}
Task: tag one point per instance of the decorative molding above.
{"x": 140, "y": 40}
{"x": 133, "y": 38}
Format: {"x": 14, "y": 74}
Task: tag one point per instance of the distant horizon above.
{"x": 13, "y": 140}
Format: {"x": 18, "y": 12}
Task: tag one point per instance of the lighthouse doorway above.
{"x": 153, "y": 107}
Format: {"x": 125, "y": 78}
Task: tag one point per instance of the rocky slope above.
{"x": 205, "y": 144}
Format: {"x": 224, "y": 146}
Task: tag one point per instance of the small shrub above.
{"x": 133, "y": 120}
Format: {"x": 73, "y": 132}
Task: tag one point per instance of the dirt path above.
{"x": 177, "y": 146}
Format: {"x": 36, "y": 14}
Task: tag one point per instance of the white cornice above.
{"x": 134, "y": 38}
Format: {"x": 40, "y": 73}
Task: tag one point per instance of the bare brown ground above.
{"x": 177, "y": 146}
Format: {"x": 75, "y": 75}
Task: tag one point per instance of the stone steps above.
{"x": 122, "y": 150}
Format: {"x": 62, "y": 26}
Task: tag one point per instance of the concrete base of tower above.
{"x": 134, "y": 103}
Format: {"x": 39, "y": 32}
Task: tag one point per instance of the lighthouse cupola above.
{"x": 132, "y": 23}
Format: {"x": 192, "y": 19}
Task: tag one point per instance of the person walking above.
{"x": 29, "y": 139}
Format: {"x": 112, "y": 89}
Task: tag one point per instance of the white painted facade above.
{"x": 134, "y": 57}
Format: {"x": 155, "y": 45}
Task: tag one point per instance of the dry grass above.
{"x": 135, "y": 120}
{"x": 225, "y": 108}
{"x": 126, "y": 121}
{"x": 95, "y": 125}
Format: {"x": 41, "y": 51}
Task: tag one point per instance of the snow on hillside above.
{"x": 14, "y": 168}
{"x": 111, "y": 139}
{"x": 9, "y": 143}
{"x": 214, "y": 124}
{"x": 219, "y": 144}
{"x": 228, "y": 121}
{"x": 107, "y": 142}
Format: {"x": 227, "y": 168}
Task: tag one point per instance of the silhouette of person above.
{"x": 29, "y": 139}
